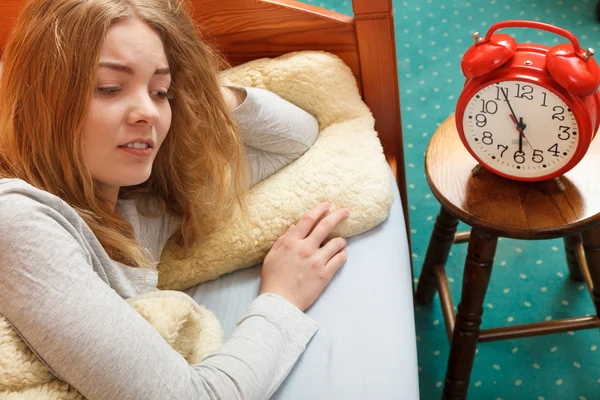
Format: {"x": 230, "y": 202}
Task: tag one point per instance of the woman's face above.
{"x": 129, "y": 115}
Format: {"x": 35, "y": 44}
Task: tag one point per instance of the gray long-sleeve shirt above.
{"x": 65, "y": 296}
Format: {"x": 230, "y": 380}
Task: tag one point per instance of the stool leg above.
{"x": 437, "y": 253}
{"x": 591, "y": 247}
{"x": 478, "y": 269}
{"x": 574, "y": 270}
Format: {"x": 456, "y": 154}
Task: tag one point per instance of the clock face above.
{"x": 520, "y": 129}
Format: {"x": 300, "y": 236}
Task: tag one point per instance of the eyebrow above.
{"x": 129, "y": 70}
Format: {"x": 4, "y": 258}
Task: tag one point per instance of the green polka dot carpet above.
{"x": 530, "y": 279}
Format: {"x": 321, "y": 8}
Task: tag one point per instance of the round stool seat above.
{"x": 500, "y": 206}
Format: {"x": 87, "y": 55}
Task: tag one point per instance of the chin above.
{"x": 134, "y": 180}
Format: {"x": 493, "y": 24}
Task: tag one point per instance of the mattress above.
{"x": 365, "y": 347}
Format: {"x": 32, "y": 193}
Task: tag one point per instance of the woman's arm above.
{"x": 275, "y": 131}
{"x": 91, "y": 338}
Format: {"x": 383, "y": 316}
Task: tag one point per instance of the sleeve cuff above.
{"x": 244, "y": 103}
{"x": 279, "y": 311}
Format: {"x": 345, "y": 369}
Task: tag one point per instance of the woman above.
{"x": 115, "y": 135}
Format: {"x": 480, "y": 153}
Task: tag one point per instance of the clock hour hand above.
{"x": 521, "y": 128}
{"x": 520, "y": 125}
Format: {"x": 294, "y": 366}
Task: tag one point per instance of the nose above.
{"x": 143, "y": 110}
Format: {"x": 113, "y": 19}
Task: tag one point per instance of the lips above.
{"x": 145, "y": 152}
{"x": 148, "y": 142}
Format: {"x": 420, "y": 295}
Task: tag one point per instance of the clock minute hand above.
{"x": 520, "y": 125}
{"x": 509, "y": 106}
{"x": 520, "y": 129}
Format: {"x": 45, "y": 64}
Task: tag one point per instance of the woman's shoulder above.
{"x": 21, "y": 202}
{"x": 34, "y": 221}
{"x": 17, "y": 195}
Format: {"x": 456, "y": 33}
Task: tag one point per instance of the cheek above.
{"x": 164, "y": 123}
{"x": 96, "y": 137}
{"x": 90, "y": 127}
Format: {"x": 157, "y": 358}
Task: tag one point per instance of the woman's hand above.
{"x": 298, "y": 268}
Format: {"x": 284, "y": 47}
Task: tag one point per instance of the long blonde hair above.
{"x": 49, "y": 75}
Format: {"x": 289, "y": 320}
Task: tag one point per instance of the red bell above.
{"x": 578, "y": 74}
{"x": 485, "y": 56}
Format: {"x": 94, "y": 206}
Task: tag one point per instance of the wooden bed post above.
{"x": 374, "y": 23}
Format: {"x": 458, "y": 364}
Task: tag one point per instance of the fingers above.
{"x": 331, "y": 248}
{"x": 309, "y": 220}
{"x": 336, "y": 262}
{"x": 328, "y": 224}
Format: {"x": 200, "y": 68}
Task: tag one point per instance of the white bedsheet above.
{"x": 365, "y": 348}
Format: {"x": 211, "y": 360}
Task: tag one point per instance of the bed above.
{"x": 366, "y": 346}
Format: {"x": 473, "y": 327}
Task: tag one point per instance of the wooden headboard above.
{"x": 245, "y": 30}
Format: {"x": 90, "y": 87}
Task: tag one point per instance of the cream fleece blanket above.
{"x": 346, "y": 166}
{"x": 187, "y": 327}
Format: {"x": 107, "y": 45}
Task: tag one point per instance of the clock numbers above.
{"x": 521, "y": 129}
{"x": 524, "y": 92}
{"x": 489, "y": 107}
{"x": 554, "y": 150}
{"x": 487, "y": 138}
{"x": 504, "y": 148}
{"x": 544, "y": 102}
{"x": 519, "y": 157}
{"x": 558, "y": 113}
{"x": 565, "y": 130}
{"x": 480, "y": 120}
{"x": 499, "y": 92}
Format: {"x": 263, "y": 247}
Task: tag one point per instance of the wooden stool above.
{"x": 493, "y": 207}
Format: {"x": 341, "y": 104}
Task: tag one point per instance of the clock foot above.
{"x": 476, "y": 170}
{"x": 560, "y": 184}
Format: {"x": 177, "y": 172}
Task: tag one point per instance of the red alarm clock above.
{"x": 528, "y": 112}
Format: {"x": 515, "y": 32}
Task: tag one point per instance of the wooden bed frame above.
{"x": 245, "y": 30}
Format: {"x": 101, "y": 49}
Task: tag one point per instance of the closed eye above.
{"x": 162, "y": 95}
{"x": 108, "y": 90}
